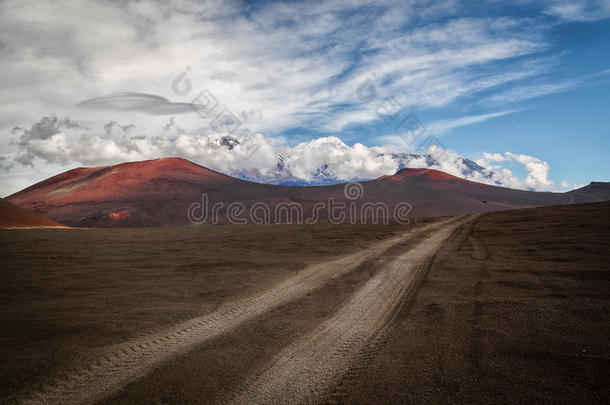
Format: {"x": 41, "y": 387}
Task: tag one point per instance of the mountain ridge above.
{"x": 161, "y": 192}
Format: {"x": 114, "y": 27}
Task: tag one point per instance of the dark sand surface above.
{"x": 515, "y": 307}
{"x": 68, "y": 292}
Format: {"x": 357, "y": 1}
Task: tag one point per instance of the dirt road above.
{"x": 303, "y": 371}
{"x": 129, "y": 361}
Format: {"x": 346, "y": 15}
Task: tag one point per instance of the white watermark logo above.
{"x": 350, "y": 209}
{"x": 405, "y": 124}
{"x": 223, "y": 121}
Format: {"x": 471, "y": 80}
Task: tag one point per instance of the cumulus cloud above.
{"x": 43, "y": 129}
{"x": 537, "y": 171}
{"x": 493, "y": 157}
{"x": 340, "y": 160}
{"x": 62, "y": 141}
{"x": 537, "y": 177}
{"x": 113, "y": 127}
{"x": 56, "y": 141}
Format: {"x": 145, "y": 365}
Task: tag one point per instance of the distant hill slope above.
{"x": 13, "y": 216}
{"x": 596, "y": 190}
{"x": 159, "y": 193}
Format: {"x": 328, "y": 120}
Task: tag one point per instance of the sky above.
{"x": 520, "y": 87}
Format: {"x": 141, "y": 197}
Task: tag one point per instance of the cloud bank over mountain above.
{"x": 324, "y": 160}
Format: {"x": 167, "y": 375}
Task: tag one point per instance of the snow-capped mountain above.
{"x": 467, "y": 168}
{"x": 325, "y": 175}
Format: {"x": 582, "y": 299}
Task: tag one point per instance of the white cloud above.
{"x": 580, "y": 11}
{"x": 526, "y": 92}
{"x": 437, "y": 128}
{"x": 537, "y": 171}
{"x": 60, "y": 144}
{"x": 537, "y": 177}
{"x": 343, "y": 161}
{"x": 275, "y": 66}
{"x": 443, "y": 126}
{"x": 293, "y": 64}
{"x": 493, "y": 157}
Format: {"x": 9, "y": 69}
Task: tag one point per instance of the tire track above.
{"x": 126, "y": 362}
{"x": 340, "y": 393}
{"x": 303, "y": 371}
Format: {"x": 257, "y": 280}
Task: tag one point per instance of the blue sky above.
{"x": 570, "y": 129}
{"x": 521, "y": 87}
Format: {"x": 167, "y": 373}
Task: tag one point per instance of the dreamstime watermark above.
{"x": 224, "y": 121}
{"x": 406, "y": 125}
{"x": 350, "y": 209}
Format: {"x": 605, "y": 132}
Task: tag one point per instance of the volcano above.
{"x": 13, "y": 216}
{"x": 176, "y": 192}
